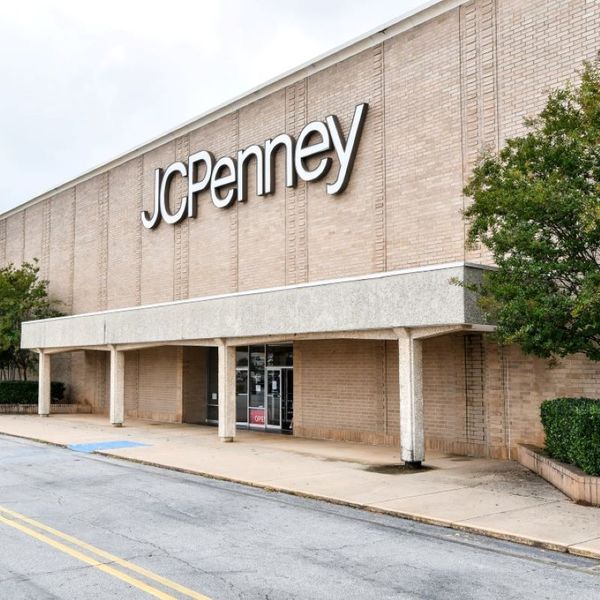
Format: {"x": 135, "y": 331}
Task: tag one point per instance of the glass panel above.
{"x": 213, "y": 412}
{"x": 213, "y": 373}
{"x": 287, "y": 400}
{"x": 242, "y": 356}
{"x": 280, "y": 356}
{"x": 274, "y": 397}
{"x": 241, "y": 408}
{"x": 241, "y": 399}
{"x": 241, "y": 381}
{"x": 257, "y": 377}
{"x": 212, "y": 388}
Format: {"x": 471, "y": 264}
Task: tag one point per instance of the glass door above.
{"x": 264, "y": 387}
{"x": 287, "y": 400}
{"x": 256, "y": 399}
{"x": 274, "y": 398}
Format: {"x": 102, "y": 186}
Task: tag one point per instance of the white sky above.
{"x": 82, "y": 82}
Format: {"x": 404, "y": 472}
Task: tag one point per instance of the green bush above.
{"x": 26, "y": 392}
{"x": 572, "y": 427}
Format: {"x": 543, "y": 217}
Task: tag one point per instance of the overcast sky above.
{"x": 83, "y": 82}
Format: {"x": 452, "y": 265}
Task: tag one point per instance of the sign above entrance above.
{"x": 227, "y": 178}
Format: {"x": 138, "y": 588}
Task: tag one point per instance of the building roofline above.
{"x": 283, "y": 288}
{"x": 409, "y": 20}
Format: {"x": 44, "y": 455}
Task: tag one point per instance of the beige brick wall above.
{"x": 213, "y": 234}
{"x": 132, "y": 383}
{"x": 517, "y": 384}
{"x": 160, "y": 384}
{"x": 15, "y": 238}
{"x": 348, "y": 390}
{"x": 472, "y": 389}
{"x": 340, "y": 391}
{"x": 444, "y": 400}
{"x": 261, "y": 223}
{"x": 90, "y": 379}
{"x": 341, "y": 231}
{"x": 423, "y": 145}
{"x": 90, "y": 246}
{"x": 158, "y": 245}
{"x": 34, "y": 231}
{"x": 61, "y": 255}
{"x": 541, "y": 44}
{"x": 124, "y": 235}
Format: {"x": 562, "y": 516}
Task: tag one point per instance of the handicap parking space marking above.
{"x": 111, "y": 445}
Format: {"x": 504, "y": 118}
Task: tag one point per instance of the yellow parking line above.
{"x": 87, "y": 559}
{"x": 102, "y": 553}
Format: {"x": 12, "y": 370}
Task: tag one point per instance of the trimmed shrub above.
{"x": 26, "y": 392}
{"x": 572, "y": 427}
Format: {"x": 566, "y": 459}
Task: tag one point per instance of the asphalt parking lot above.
{"x": 76, "y": 525}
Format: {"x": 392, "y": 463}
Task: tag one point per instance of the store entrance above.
{"x": 265, "y": 387}
{"x": 280, "y": 401}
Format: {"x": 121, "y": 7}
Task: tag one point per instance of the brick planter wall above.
{"x": 31, "y": 409}
{"x": 569, "y": 479}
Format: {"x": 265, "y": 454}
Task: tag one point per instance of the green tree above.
{"x": 537, "y": 208}
{"x": 23, "y": 297}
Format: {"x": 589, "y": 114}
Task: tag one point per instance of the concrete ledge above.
{"x": 569, "y": 479}
{"x": 368, "y": 302}
{"x": 31, "y": 409}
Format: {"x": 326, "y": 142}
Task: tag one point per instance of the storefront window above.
{"x": 256, "y": 404}
{"x": 254, "y": 366}
{"x": 242, "y": 356}
{"x": 212, "y": 408}
{"x": 241, "y": 398}
{"x": 257, "y": 376}
{"x": 280, "y": 356}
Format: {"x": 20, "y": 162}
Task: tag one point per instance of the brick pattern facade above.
{"x": 474, "y": 390}
{"x": 344, "y": 391}
{"x": 438, "y": 94}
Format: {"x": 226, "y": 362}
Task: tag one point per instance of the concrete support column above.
{"x": 226, "y": 393}
{"x": 117, "y": 387}
{"x": 44, "y": 375}
{"x": 412, "y": 432}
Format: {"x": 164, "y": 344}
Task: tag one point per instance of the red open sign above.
{"x": 257, "y": 416}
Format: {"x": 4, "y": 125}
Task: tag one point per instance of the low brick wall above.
{"x": 569, "y": 479}
{"x": 31, "y": 409}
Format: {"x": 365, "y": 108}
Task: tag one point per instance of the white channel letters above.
{"x": 227, "y": 178}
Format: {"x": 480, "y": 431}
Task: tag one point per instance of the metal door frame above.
{"x": 267, "y": 369}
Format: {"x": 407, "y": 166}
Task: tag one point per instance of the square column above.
{"x": 44, "y": 375}
{"x": 117, "y": 387}
{"x": 226, "y": 393}
{"x": 412, "y": 433}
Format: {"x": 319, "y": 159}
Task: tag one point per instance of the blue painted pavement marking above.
{"x": 92, "y": 447}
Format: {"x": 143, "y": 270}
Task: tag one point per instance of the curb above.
{"x": 491, "y": 533}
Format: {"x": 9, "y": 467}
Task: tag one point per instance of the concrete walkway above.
{"x": 496, "y": 498}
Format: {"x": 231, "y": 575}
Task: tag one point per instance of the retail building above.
{"x": 284, "y": 262}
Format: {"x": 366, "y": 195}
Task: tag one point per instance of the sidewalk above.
{"x": 496, "y": 498}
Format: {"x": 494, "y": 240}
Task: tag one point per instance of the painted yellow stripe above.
{"x": 107, "y": 555}
{"x": 88, "y": 559}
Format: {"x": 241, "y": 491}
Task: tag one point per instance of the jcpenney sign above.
{"x": 227, "y": 178}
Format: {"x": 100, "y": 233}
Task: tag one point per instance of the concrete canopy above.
{"x": 409, "y": 298}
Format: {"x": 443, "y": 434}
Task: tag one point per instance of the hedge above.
{"x": 572, "y": 427}
{"x": 26, "y": 392}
